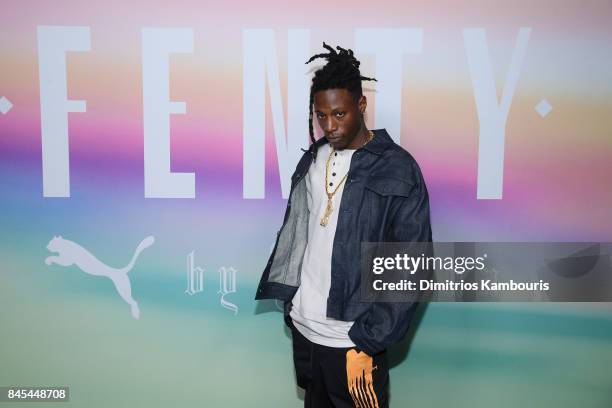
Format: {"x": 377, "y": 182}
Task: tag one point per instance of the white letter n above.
{"x": 259, "y": 58}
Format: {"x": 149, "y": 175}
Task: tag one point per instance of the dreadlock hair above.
{"x": 340, "y": 72}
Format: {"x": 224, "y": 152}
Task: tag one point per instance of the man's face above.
{"x": 340, "y": 117}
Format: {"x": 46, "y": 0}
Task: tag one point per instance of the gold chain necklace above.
{"x": 330, "y": 207}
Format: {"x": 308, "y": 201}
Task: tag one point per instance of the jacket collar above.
{"x": 378, "y": 145}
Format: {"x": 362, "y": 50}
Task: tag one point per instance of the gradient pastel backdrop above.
{"x": 59, "y": 326}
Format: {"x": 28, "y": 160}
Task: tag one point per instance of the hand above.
{"x": 359, "y": 376}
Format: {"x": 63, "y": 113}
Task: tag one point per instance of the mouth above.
{"x": 333, "y": 139}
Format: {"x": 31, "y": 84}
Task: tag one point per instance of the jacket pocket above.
{"x": 383, "y": 196}
{"x": 388, "y": 186}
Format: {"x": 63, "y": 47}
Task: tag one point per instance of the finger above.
{"x": 371, "y": 392}
{"x": 362, "y": 394}
{"x": 366, "y": 392}
{"x": 359, "y": 402}
{"x": 352, "y": 392}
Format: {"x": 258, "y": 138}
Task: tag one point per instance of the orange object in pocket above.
{"x": 359, "y": 368}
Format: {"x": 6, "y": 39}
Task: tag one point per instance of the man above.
{"x": 351, "y": 186}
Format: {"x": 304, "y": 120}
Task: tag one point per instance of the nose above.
{"x": 330, "y": 125}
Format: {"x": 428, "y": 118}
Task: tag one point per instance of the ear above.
{"x": 363, "y": 103}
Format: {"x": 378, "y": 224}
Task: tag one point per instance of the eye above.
{"x": 320, "y": 115}
{"x": 340, "y": 114}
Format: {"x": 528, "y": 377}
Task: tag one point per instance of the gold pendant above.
{"x": 328, "y": 210}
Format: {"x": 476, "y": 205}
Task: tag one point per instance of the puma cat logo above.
{"x": 70, "y": 253}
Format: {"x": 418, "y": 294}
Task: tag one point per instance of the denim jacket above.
{"x": 384, "y": 200}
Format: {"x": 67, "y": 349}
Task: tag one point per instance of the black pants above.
{"x": 322, "y": 372}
